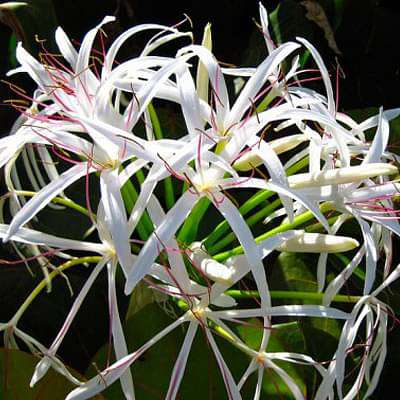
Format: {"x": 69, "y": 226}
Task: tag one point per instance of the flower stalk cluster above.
{"x": 93, "y": 122}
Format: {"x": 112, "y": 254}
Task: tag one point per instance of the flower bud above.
{"x": 341, "y": 175}
{"x": 318, "y": 243}
{"x": 212, "y": 269}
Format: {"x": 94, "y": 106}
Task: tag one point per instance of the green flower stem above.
{"x": 249, "y": 205}
{"x": 298, "y": 221}
{"x": 288, "y": 295}
{"x": 257, "y": 217}
{"x": 168, "y": 187}
{"x": 318, "y": 228}
{"x": 266, "y": 102}
{"x": 58, "y": 200}
{"x": 43, "y": 283}
{"x": 188, "y": 232}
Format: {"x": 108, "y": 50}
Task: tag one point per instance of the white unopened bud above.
{"x": 341, "y": 175}
{"x": 318, "y": 243}
{"x": 251, "y": 159}
{"x": 212, "y": 269}
{"x": 217, "y": 272}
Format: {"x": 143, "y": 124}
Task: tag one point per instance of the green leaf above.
{"x": 188, "y": 232}
{"x": 12, "y": 45}
{"x": 298, "y": 273}
{"x": 293, "y": 272}
{"x": 158, "y": 132}
{"x": 16, "y": 369}
{"x": 141, "y": 296}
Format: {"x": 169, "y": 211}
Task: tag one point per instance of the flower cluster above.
{"x": 92, "y": 122}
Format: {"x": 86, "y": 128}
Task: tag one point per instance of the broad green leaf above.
{"x": 12, "y": 45}
{"x": 141, "y": 296}
{"x": 297, "y": 273}
{"x": 16, "y": 369}
{"x": 294, "y": 272}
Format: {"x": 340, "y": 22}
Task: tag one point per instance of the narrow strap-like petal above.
{"x": 44, "y": 196}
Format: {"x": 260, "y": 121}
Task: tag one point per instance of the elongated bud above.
{"x": 202, "y": 78}
{"x": 250, "y": 159}
{"x": 212, "y": 269}
{"x": 341, "y": 175}
{"x": 12, "y": 6}
{"x": 318, "y": 243}
{"x": 217, "y": 272}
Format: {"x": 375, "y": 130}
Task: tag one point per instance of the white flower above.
{"x": 108, "y": 250}
{"x": 199, "y": 314}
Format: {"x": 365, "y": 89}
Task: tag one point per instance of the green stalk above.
{"x": 130, "y": 196}
{"x": 265, "y": 102}
{"x": 188, "y": 232}
{"x": 58, "y": 200}
{"x": 298, "y": 221}
{"x": 289, "y": 295}
{"x": 249, "y": 205}
{"x": 257, "y": 217}
{"x": 168, "y": 187}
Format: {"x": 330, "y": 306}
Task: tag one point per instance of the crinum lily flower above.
{"x": 209, "y": 182}
{"x": 111, "y": 148}
{"x": 341, "y": 187}
{"x": 74, "y": 88}
{"x": 201, "y": 315}
{"x": 372, "y": 315}
{"x": 108, "y": 250}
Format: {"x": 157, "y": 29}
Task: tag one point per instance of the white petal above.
{"x": 101, "y": 381}
{"x": 120, "y": 346}
{"x": 216, "y": 78}
{"x": 67, "y": 49}
{"x": 43, "y": 366}
{"x": 265, "y": 29}
{"x": 246, "y": 239}
{"x": 306, "y": 310}
{"x": 154, "y": 245}
{"x": 381, "y": 139}
{"x": 44, "y": 196}
{"x": 253, "y": 86}
{"x": 31, "y": 236}
{"x": 318, "y": 243}
{"x": 324, "y": 73}
{"x": 291, "y": 384}
{"x": 115, "y": 217}
{"x": 178, "y": 268}
{"x": 341, "y": 175}
{"x": 180, "y": 364}
{"x": 119, "y": 41}
{"x": 231, "y": 387}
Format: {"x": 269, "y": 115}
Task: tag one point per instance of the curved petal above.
{"x": 154, "y": 245}
{"x": 44, "y": 196}
{"x": 180, "y": 364}
{"x": 30, "y": 236}
{"x": 115, "y": 217}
